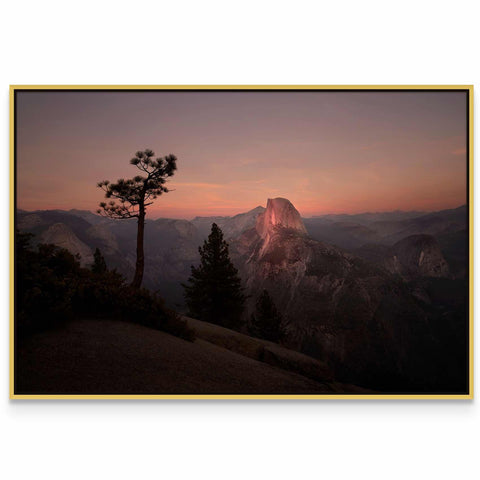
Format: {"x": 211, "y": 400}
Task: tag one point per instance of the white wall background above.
{"x": 248, "y": 42}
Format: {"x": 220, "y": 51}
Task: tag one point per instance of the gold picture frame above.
{"x": 467, "y": 88}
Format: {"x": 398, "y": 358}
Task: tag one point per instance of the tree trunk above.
{"x": 139, "y": 266}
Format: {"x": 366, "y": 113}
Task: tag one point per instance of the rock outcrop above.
{"x": 417, "y": 256}
{"x": 280, "y": 214}
{"x": 337, "y": 307}
{"x": 104, "y": 239}
{"x": 62, "y": 236}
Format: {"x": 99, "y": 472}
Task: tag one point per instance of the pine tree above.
{"x": 266, "y": 322}
{"x": 99, "y": 265}
{"x": 214, "y": 293}
{"x": 131, "y": 197}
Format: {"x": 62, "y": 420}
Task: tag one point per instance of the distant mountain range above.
{"x": 171, "y": 244}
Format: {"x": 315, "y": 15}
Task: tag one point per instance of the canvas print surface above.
{"x": 241, "y": 242}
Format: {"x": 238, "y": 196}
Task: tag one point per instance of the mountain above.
{"x": 359, "y": 318}
{"x": 345, "y": 234}
{"x": 171, "y": 246}
{"x": 417, "y": 255}
{"x": 412, "y": 257}
{"x": 368, "y": 235}
{"x": 90, "y": 217}
{"x": 41, "y": 219}
{"x": 61, "y": 235}
{"x": 353, "y": 231}
{"x": 102, "y": 236}
{"x": 231, "y": 226}
{"x": 368, "y": 217}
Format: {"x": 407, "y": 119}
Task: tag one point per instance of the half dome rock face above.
{"x": 335, "y": 306}
{"x": 280, "y": 213}
{"x": 417, "y": 256}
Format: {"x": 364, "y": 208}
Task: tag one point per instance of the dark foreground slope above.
{"x": 113, "y": 357}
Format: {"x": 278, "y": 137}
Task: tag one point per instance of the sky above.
{"x": 327, "y": 152}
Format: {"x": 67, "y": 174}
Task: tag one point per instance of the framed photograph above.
{"x": 241, "y": 242}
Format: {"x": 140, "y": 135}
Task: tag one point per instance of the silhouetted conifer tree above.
{"x": 99, "y": 265}
{"x": 266, "y": 322}
{"x": 131, "y": 197}
{"x": 214, "y": 293}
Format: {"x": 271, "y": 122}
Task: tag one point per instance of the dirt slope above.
{"x": 111, "y": 357}
{"x": 262, "y": 350}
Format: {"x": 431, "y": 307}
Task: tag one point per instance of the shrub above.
{"x": 98, "y": 294}
{"x": 45, "y": 283}
{"x": 51, "y": 287}
{"x": 148, "y": 309}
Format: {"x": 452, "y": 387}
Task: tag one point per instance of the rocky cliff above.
{"x": 416, "y": 255}
{"x": 355, "y": 316}
{"x": 62, "y": 236}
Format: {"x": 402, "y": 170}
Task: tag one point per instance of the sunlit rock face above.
{"x": 280, "y": 213}
{"x": 336, "y": 306}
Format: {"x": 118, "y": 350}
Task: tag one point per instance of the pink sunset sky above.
{"x": 327, "y": 152}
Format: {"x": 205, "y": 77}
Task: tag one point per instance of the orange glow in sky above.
{"x": 327, "y": 152}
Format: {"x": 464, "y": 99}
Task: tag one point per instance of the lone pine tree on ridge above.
{"x": 131, "y": 197}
